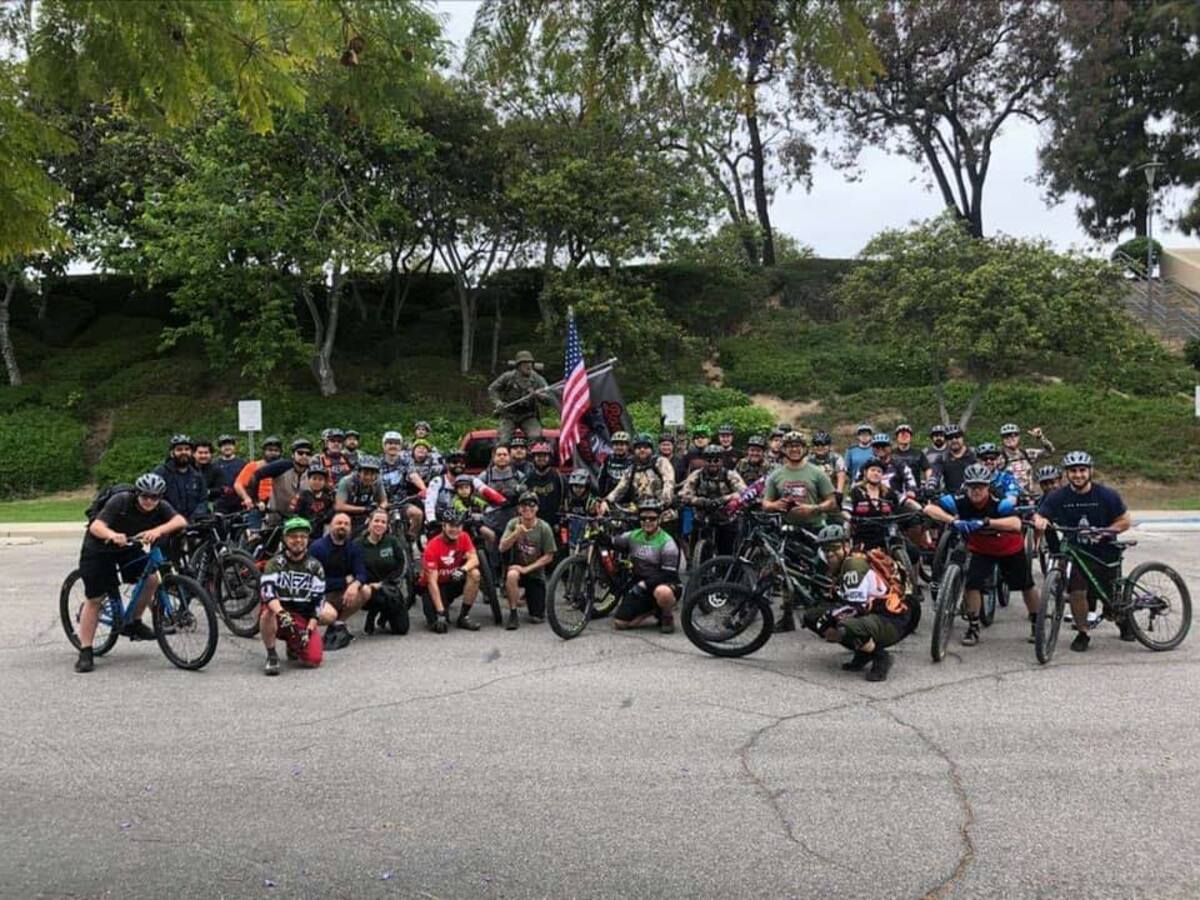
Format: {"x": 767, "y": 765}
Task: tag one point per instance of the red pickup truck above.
{"x": 478, "y": 446}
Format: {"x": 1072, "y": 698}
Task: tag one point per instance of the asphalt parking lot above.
{"x": 501, "y": 764}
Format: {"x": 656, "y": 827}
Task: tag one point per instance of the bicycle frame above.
{"x": 155, "y": 561}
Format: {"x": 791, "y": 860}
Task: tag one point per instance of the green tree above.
{"x": 952, "y": 76}
{"x": 984, "y": 309}
{"x": 1129, "y": 65}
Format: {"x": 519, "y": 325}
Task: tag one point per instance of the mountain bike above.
{"x": 183, "y": 614}
{"x": 590, "y": 582}
{"x": 1153, "y": 599}
{"x": 209, "y": 554}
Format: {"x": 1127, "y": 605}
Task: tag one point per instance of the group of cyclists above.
{"x": 339, "y": 527}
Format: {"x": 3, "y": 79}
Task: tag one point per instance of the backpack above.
{"x": 104, "y": 495}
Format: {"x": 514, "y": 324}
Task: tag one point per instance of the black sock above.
{"x": 86, "y": 650}
{"x": 271, "y": 654}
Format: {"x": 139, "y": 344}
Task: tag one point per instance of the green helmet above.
{"x": 831, "y": 534}
{"x": 523, "y": 356}
{"x": 643, "y": 440}
{"x": 297, "y": 523}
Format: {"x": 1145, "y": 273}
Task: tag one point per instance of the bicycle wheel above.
{"x": 1002, "y": 591}
{"x": 70, "y": 607}
{"x": 569, "y": 596}
{"x": 185, "y": 622}
{"x": 1049, "y": 617}
{"x": 237, "y": 593}
{"x": 727, "y": 619}
{"x": 718, "y": 569}
{"x": 1158, "y": 605}
{"x": 987, "y": 606}
{"x": 948, "y": 599}
{"x": 487, "y": 588}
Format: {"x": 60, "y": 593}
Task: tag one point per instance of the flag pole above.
{"x": 591, "y": 370}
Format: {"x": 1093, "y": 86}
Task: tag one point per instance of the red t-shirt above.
{"x": 446, "y": 556}
{"x": 1004, "y": 543}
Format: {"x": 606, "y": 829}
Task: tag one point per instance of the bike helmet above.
{"x": 794, "y": 437}
{"x": 350, "y": 432}
{"x": 701, "y": 431}
{"x": 181, "y": 440}
{"x": 517, "y": 441}
{"x": 454, "y": 516}
{"x": 273, "y": 441}
{"x": 368, "y": 463}
{"x": 301, "y": 444}
{"x": 620, "y": 437}
{"x": 578, "y": 477}
{"x": 391, "y": 437}
{"x": 421, "y": 442}
{"x": 778, "y": 432}
{"x": 725, "y": 429}
{"x": 226, "y": 439}
{"x": 1048, "y": 473}
{"x": 987, "y": 450}
{"x": 977, "y": 474}
{"x": 422, "y": 425}
{"x": 712, "y": 453}
{"x": 757, "y": 440}
{"x": 881, "y": 439}
{"x": 822, "y": 439}
{"x": 643, "y": 440}
{"x": 649, "y": 505}
{"x": 151, "y": 484}
{"x": 864, "y": 426}
{"x": 1077, "y": 458}
{"x": 540, "y": 447}
{"x": 1009, "y": 428}
{"x": 528, "y": 498}
{"x": 334, "y": 434}
{"x": 904, "y": 426}
{"x": 317, "y": 469}
{"x": 953, "y": 431}
{"x": 873, "y": 463}
{"x": 456, "y": 456}
{"x": 666, "y": 436}
{"x": 464, "y": 478}
{"x": 297, "y": 523}
{"x": 935, "y": 430}
{"x": 203, "y": 442}
{"x": 831, "y": 534}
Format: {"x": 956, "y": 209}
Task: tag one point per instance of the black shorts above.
{"x": 1104, "y": 574}
{"x": 639, "y": 601}
{"x": 1015, "y": 570}
{"x": 535, "y": 594}
{"x": 103, "y": 572}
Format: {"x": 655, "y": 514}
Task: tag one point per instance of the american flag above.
{"x": 576, "y": 397}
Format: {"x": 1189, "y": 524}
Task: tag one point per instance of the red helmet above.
{"x": 539, "y": 447}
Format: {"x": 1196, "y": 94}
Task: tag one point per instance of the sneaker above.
{"x": 138, "y": 631}
{"x": 857, "y": 662}
{"x": 971, "y": 637}
{"x": 465, "y": 622}
{"x": 369, "y": 624}
{"x": 1080, "y": 644}
{"x": 1126, "y": 630}
{"x": 85, "y": 663}
{"x": 439, "y": 625}
{"x": 787, "y": 622}
{"x": 337, "y": 637}
{"x": 272, "y": 665}
{"x": 292, "y": 654}
{"x": 881, "y": 666}
{"x": 513, "y": 622}
{"x": 666, "y": 623}
{"x": 536, "y": 620}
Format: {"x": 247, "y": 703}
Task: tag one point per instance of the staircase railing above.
{"x": 1160, "y": 304}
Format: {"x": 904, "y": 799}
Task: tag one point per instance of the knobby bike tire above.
{"x": 1144, "y": 631}
{"x": 487, "y": 587}
{"x": 577, "y": 585}
{"x": 237, "y": 597}
{"x": 718, "y": 569}
{"x": 948, "y": 600}
{"x": 187, "y": 599}
{"x": 987, "y": 596}
{"x": 68, "y": 611}
{"x": 1049, "y": 617}
{"x": 746, "y": 610}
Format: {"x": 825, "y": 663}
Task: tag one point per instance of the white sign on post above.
{"x": 1198, "y": 401}
{"x": 672, "y": 409}
{"x": 249, "y": 415}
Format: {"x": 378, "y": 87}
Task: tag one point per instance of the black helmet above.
{"x": 454, "y": 516}
{"x": 666, "y": 436}
{"x": 778, "y": 432}
{"x": 725, "y": 429}
{"x": 527, "y": 498}
{"x": 953, "y": 431}
{"x": 873, "y": 462}
{"x": 456, "y": 456}
{"x": 935, "y": 430}
{"x": 333, "y": 433}
{"x": 273, "y": 441}
{"x": 822, "y": 439}
{"x": 181, "y": 440}
{"x": 1048, "y": 473}
{"x": 517, "y": 441}
{"x": 301, "y": 444}
{"x": 977, "y": 474}
{"x": 881, "y": 439}
{"x": 643, "y": 440}
{"x": 464, "y": 478}
{"x": 987, "y": 450}
{"x": 226, "y": 439}
{"x": 757, "y": 440}
{"x": 712, "y": 453}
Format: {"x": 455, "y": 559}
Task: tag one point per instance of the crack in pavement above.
{"x": 404, "y": 701}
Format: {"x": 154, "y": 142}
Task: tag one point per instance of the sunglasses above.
{"x": 304, "y": 453}
{"x": 649, "y": 518}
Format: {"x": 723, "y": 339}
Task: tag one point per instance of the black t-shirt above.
{"x": 1098, "y": 508}
{"x": 124, "y": 515}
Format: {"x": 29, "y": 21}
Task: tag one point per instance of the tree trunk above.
{"x": 6, "y": 347}
{"x": 358, "y": 299}
{"x": 323, "y": 334}
{"x": 466, "y": 308}
{"x": 980, "y": 389}
{"x": 545, "y": 310}
{"x": 758, "y": 157}
{"x": 497, "y": 324}
{"x": 939, "y": 391}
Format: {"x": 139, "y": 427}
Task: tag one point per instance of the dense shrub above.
{"x": 1191, "y": 353}
{"x": 746, "y": 420}
{"x": 40, "y": 450}
{"x": 128, "y": 457}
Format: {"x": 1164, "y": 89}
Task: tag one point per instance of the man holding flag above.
{"x": 592, "y": 407}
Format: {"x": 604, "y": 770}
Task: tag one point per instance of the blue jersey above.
{"x": 1005, "y": 485}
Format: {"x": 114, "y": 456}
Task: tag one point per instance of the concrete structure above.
{"x": 1182, "y": 265}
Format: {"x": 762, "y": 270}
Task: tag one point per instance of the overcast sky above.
{"x": 838, "y": 217}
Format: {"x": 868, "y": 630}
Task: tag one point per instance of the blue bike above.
{"x": 184, "y": 615}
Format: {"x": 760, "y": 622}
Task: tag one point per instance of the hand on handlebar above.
{"x": 967, "y": 526}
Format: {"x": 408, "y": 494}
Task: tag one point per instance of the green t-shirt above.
{"x": 532, "y": 545}
{"x": 807, "y": 484}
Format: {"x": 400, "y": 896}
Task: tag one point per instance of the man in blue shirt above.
{"x": 345, "y": 578}
{"x": 857, "y": 455}
{"x": 1081, "y": 503}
